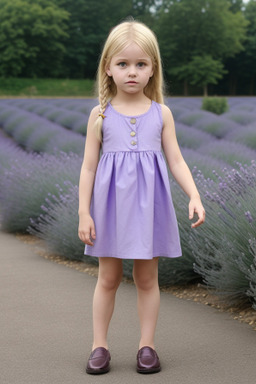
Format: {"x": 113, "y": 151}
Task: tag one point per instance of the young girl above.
{"x": 125, "y": 204}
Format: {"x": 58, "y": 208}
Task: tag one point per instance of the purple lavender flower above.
{"x": 246, "y": 135}
{"x": 190, "y": 137}
{"x": 218, "y": 126}
{"x": 229, "y": 152}
{"x": 249, "y": 216}
{"x": 242, "y": 118}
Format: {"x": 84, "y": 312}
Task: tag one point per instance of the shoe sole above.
{"x": 97, "y": 371}
{"x": 150, "y": 370}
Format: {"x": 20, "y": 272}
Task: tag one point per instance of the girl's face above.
{"x": 130, "y": 69}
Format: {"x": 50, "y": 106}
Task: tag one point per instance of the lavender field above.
{"x": 41, "y": 150}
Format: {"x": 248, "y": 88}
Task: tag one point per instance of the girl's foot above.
{"x": 148, "y": 361}
{"x": 99, "y": 361}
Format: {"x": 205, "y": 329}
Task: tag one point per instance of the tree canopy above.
{"x": 205, "y": 29}
{"x": 201, "y": 41}
{"x": 31, "y": 37}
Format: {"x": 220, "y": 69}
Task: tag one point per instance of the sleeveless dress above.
{"x": 131, "y": 201}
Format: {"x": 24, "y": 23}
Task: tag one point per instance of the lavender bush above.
{"x": 72, "y": 115}
{"x": 71, "y": 119}
{"x": 177, "y": 112}
{"x": 39, "y": 108}
{"x": 217, "y": 126}
{"x": 10, "y": 154}
{"x": 245, "y": 135}
{"x": 184, "y": 102}
{"x": 228, "y": 152}
{"x": 13, "y": 120}
{"x": 52, "y": 113}
{"x": 58, "y": 224}
{"x": 26, "y": 182}
{"x": 245, "y": 106}
{"x": 223, "y": 250}
{"x": 4, "y": 113}
{"x": 37, "y": 134}
{"x": 251, "y": 273}
{"x": 192, "y": 117}
{"x": 243, "y": 118}
{"x": 190, "y": 137}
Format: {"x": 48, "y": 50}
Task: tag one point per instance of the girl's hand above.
{"x": 86, "y": 229}
{"x": 196, "y": 206}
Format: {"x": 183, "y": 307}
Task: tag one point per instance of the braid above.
{"x": 104, "y": 94}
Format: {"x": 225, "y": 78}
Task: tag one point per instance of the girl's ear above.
{"x": 108, "y": 72}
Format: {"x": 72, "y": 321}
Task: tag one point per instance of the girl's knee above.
{"x": 146, "y": 282}
{"x": 145, "y": 279}
{"x": 110, "y": 274}
{"x": 109, "y": 282}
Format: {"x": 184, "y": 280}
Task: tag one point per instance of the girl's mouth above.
{"x": 131, "y": 82}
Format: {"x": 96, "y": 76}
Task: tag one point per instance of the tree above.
{"x": 89, "y": 24}
{"x": 236, "y": 5}
{"x": 201, "y": 71}
{"x": 31, "y": 34}
{"x": 188, "y": 29}
{"x": 249, "y": 64}
{"x": 242, "y": 67}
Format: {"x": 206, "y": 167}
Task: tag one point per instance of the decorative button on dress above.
{"x": 131, "y": 202}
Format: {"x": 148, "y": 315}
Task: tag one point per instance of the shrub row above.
{"x": 37, "y": 134}
{"x": 26, "y": 179}
{"x": 237, "y": 125}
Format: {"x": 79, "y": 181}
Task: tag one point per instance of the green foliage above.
{"x": 88, "y": 26}
{"x": 204, "y": 70}
{"x": 216, "y": 105}
{"x": 250, "y": 43}
{"x": 242, "y": 67}
{"x": 236, "y": 5}
{"x": 31, "y": 37}
{"x": 188, "y": 30}
{"x": 63, "y": 39}
{"x": 46, "y": 87}
{"x": 201, "y": 71}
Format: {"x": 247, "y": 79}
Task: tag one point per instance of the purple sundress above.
{"x": 131, "y": 202}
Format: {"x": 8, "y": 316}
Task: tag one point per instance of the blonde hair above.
{"x": 119, "y": 37}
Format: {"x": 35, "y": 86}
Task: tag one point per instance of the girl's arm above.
{"x": 86, "y": 230}
{"x": 179, "y": 168}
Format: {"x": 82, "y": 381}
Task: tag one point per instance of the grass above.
{"x": 46, "y": 87}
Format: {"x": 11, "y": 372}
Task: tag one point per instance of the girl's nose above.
{"x": 132, "y": 71}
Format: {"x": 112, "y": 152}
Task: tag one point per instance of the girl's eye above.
{"x": 140, "y": 65}
{"x": 122, "y": 64}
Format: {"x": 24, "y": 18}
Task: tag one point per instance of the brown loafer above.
{"x": 148, "y": 361}
{"x": 99, "y": 361}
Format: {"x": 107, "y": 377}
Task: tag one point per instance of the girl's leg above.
{"x": 109, "y": 277}
{"x": 145, "y": 274}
